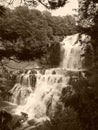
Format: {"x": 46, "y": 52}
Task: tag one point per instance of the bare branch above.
{"x": 46, "y": 5}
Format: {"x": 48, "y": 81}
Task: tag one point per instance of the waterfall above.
{"x": 39, "y": 94}
{"x": 76, "y": 52}
{"x": 48, "y": 87}
{"x": 22, "y": 88}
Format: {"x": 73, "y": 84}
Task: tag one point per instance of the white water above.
{"x": 22, "y": 89}
{"x": 42, "y": 101}
{"x": 47, "y": 92}
{"x": 74, "y": 52}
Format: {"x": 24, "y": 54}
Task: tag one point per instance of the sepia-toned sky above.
{"x": 67, "y": 9}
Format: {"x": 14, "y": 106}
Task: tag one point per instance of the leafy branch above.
{"x": 50, "y": 4}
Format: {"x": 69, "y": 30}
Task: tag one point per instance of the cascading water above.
{"x": 41, "y": 99}
{"x": 22, "y": 88}
{"x": 77, "y": 52}
{"x": 48, "y": 88}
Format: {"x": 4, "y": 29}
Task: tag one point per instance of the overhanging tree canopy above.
{"x": 50, "y": 4}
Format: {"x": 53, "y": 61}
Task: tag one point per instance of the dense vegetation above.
{"x": 84, "y": 102}
{"x": 28, "y": 34}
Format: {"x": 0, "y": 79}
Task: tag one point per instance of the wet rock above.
{"x": 32, "y": 122}
{"x": 40, "y": 124}
{"x": 18, "y": 120}
{"x": 54, "y": 72}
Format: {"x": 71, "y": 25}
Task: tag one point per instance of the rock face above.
{"x": 77, "y": 52}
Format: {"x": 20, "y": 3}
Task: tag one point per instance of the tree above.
{"x": 87, "y": 23}
{"x": 50, "y": 4}
{"x": 24, "y": 30}
{"x": 25, "y": 33}
{"x": 85, "y": 102}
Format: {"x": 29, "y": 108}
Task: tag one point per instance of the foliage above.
{"x": 20, "y": 28}
{"x": 86, "y": 15}
{"x": 82, "y": 98}
{"x": 27, "y": 33}
{"x": 54, "y": 54}
{"x": 50, "y": 4}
